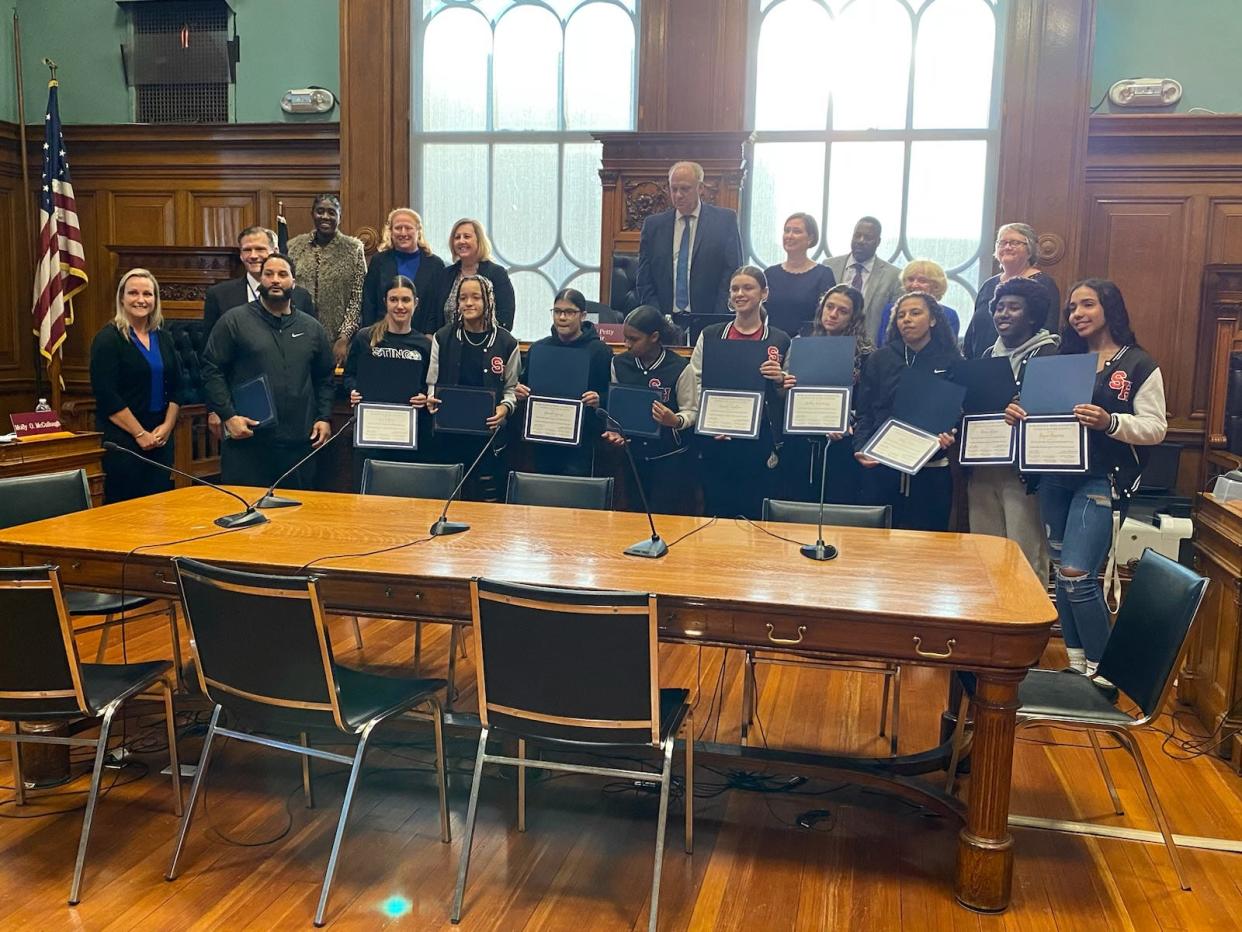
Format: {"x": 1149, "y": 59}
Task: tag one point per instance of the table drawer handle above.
{"x": 950, "y": 644}
{"x": 693, "y": 632}
{"x": 776, "y": 640}
{"x": 159, "y": 574}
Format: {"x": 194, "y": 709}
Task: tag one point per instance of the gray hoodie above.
{"x": 1023, "y": 351}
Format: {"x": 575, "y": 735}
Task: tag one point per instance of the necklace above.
{"x": 909, "y": 358}
{"x": 466, "y": 333}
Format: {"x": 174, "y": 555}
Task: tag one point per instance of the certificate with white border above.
{"x": 728, "y": 413}
{"x": 987, "y": 441}
{"x": 902, "y": 446}
{"x": 389, "y": 427}
{"x": 1053, "y": 443}
{"x": 817, "y": 409}
{"x": 553, "y": 420}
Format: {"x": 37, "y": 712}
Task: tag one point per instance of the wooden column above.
{"x": 634, "y": 174}
{"x": 375, "y": 114}
{"x": 1044, "y": 127}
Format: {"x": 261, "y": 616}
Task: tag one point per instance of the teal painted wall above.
{"x": 1194, "y": 41}
{"x": 284, "y": 44}
{"x": 8, "y": 88}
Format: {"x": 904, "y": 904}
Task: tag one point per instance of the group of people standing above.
{"x": 294, "y": 318}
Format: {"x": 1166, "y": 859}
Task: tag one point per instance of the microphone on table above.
{"x": 271, "y": 500}
{"x": 443, "y": 527}
{"x": 655, "y": 547}
{"x": 246, "y": 518}
{"x": 819, "y": 550}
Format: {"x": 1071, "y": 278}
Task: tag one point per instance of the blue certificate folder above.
{"x": 734, "y": 364}
{"x": 827, "y": 361}
{"x": 253, "y": 399}
{"x": 1055, "y": 384}
{"x": 464, "y": 410}
{"x": 989, "y": 383}
{"x": 389, "y": 381}
{"x": 630, "y": 406}
{"x": 928, "y": 402}
{"x": 557, "y": 371}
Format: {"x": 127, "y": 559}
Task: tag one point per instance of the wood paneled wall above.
{"x": 1163, "y": 198}
{"x": 152, "y": 185}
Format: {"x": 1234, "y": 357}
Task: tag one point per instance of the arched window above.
{"x": 506, "y": 96}
{"x": 888, "y": 108}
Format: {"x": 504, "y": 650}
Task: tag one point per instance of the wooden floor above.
{"x": 255, "y": 856}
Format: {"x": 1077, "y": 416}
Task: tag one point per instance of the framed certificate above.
{"x": 817, "y": 409}
{"x": 1053, "y": 443}
{"x": 987, "y": 441}
{"x": 464, "y": 409}
{"x": 727, "y": 413}
{"x": 553, "y": 420}
{"x": 389, "y": 427}
{"x": 902, "y": 446}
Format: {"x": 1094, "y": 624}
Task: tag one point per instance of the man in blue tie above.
{"x": 687, "y": 254}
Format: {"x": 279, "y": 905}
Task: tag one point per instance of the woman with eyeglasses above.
{"x": 1015, "y": 253}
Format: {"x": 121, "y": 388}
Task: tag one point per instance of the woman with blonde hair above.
{"x": 469, "y": 245}
{"x": 404, "y": 251}
{"x": 926, "y": 276}
{"x": 137, "y": 382}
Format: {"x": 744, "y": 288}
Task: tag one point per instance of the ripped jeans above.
{"x": 1077, "y": 512}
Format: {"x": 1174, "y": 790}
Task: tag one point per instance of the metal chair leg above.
{"x": 103, "y": 639}
{"x": 661, "y": 825}
{"x": 340, "y": 825}
{"x": 418, "y": 646}
{"x": 174, "y": 763}
{"x": 437, "y": 724}
{"x": 463, "y": 864}
{"x": 201, "y": 772}
{"x": 895, "y": 719}
{"x": 521, "y": 782}
{"x": 958, "y": 742}
{"x": 19, "y": 783}
{"x": 308, "y": 789}
{"x": 450, "y": 693}
{"x": 176, "y": 645}
{"x": 689, "y": 781}
{"x": 357, "y": 632}
{"x": 101, "y": 749}
{"x": 1108, "y": 776}
{"x": 884, "y": 704}
{"x": 1131, "y": 744}
{"x": 750, "y": 692}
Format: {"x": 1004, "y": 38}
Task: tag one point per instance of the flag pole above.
{"x": 54, "y": 361}
{"x": 27, "y": 232}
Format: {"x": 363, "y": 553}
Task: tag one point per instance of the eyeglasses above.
{"x": 1014, "y": 243}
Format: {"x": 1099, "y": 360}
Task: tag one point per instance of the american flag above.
{"x": 60, "y": 272}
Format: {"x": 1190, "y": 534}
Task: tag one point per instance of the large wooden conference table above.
{"x": 958, "y": 600}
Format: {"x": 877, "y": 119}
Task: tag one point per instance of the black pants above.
{"x": 668, "y": 482}
{"x": 799, "y": 472}
{"x": 555, "y": 459}
{"x": 259, "y": 461}
{"x": 735, "y": 476}
{"x": 487, "y": 482}
{"x": 921, "y": 502}
{"x": 126, "y": 477}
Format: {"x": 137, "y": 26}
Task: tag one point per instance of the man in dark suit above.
{"x": 687, "y": 254}
{"x": 255, "y": 244}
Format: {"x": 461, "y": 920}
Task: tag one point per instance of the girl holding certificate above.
{"x": 1125, "y": 417}
{"x": 474, "y": 351}
{"x": 664, "y": 463}
{"x": 1001, "y": 501}
{"x": 387, "y": 363}
{"x": 735, "y": 471}
{"x": 840, "y": 314}
{"x": 919, "y": 337}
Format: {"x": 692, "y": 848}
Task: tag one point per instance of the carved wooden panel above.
{"x": 12, "y": 341}
{"x": 96, "y": 304}
{"x": 297, "y": 210}
{"x": 142, "y": 218}
{"x": 1225, "y": 236}
{"x": 216, "y": 219}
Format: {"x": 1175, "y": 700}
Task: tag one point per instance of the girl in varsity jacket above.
{"x": 1126, "y": 417}
{"x": 664, "y": 463}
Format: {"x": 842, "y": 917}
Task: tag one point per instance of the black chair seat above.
{"x": 103, "y": 684}
{"x": 81, "y": 602}
{"x": 673, "y": 710}
{"x": 1068, "y": 695}
{"x": 365, "y": 696}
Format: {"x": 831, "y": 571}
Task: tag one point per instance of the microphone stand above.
{"x": 271, "y": 500}
{"x": 443, "y": 527}
{"x": 819, "y": 550}
{"x": 655, "y": 547}
{"x": 247, "y": 518}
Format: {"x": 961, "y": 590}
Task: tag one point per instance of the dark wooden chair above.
{"x": 577, "y": 670}
{"x": 532, "y": 488}
{"x": 42, "y": 679}
{"x": 262, "y": 653}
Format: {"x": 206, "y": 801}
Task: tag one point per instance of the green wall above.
{"x": 8, "y": 90}
{"x": 284, "y": 44}
{"x": 1195, "y": 41}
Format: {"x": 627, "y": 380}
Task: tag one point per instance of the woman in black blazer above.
{"x": 403, "y": 250}
{"x": 137, "y": 381}
{"x": 468, "y": 243}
